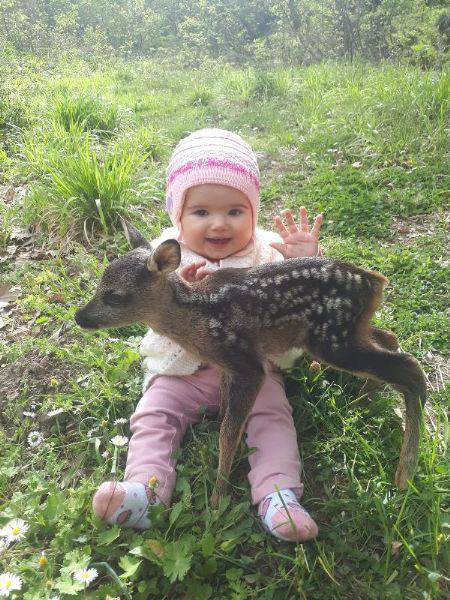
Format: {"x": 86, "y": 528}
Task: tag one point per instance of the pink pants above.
{"x": 172, "y": 403}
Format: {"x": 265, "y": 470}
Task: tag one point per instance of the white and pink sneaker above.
{"x": 124, "y": 503}
{"x": 283, "y": 516}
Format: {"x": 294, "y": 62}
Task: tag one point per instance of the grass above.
{"x": 366, "y": 146}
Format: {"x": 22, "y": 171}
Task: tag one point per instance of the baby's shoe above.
{"x": 297, "y": 526}
{"x": 124, "y": 503}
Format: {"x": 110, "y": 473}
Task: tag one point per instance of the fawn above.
{"x": 234, "y": 318}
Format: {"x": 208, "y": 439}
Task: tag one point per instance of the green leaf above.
{"x": 108, "y": 536}
{"x": 175, "y": 512}
{"x": 69, "y": 586}
{"x": 177, "y": 559}
{"x": 209, "y": 567}
{"x": 229, "y": 544}
{"x": 208, "y": 544}
{"x": 130, "y": 565}
{"x": 53, "y": 507}
{"x": 234, "y": 573}
{"x": 152, "y": 550}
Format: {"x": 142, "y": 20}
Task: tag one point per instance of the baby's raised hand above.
{"x": 298, "y": 242}
{"x": 194, "y": 272}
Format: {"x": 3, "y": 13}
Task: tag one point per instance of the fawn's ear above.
{"x": 134, "y": 237}
{"x": 165, "y": 258}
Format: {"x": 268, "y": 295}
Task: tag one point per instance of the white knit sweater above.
{"x": 161, "y": 355}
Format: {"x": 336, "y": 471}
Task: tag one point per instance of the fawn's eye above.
{"x": 114, "y": 299}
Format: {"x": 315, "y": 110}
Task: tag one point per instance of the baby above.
{"x": 213, "y": 202}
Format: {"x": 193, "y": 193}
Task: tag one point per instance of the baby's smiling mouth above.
{"x": 218, "y": 241}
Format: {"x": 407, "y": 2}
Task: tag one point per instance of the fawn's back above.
{"x": 290, "y": 303}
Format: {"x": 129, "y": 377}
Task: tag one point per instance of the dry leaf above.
{"x": 8, "y": 294}
{"x": 395, "y": 547}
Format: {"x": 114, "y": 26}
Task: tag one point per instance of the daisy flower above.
{"x": 54, "y": 412}
{"x": 27, "y": 413}
{"x": 35, "y": 439}
{"x": 119, "y": 440}
{"x": 85, "y": 576}
{"x": 8, "y": 583}
{"x": 91, "y": 432}
{"x": 121, "y": 421}
{"x": 15, "y": 530}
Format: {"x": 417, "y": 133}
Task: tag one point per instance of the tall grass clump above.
{"x": 91, "y": 113}
{"x": 266, "y": 84}
{"x": 249, "y": 84}
{"x": 80, "y": 183}
{"x": 12, "y": 117}
{"x": 200, "y": 96}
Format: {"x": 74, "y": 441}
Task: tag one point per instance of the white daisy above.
{"x": 86, "y": 576}
{"x": 105, "y": 454}
{"x": 27, "y": 413}
{"x": 91, "y": 432}
{"x": 35, "y": 439}
{"x": 8, "y": 583}
{"x": 119, "y": 440}
{"x": 56, "y": 411}
{"x": 15, "y": 530}
{"x": 121, "y": 421}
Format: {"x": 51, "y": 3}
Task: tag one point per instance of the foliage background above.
{"x": 241, "y": 31}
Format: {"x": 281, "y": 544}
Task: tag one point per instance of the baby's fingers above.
{"x": 317, "y": 225}
{"x": 189, "y": 272}
{"x": 202, "y": 273}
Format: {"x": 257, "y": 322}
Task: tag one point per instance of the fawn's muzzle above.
{"x": 85, "y": 321}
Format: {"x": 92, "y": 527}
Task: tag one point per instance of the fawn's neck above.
{"x": 177, "y": 306}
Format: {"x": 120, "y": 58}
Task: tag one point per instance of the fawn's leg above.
{"x": 240, "y": 388}
{"x": 386, "y": 339}
{"x": 224, "y": 395}
{"x": 401, "y": 371}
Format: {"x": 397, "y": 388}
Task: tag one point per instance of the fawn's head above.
{"x": 130, "y": 288}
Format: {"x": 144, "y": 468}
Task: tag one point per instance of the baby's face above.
{"x": 216, "y": 220}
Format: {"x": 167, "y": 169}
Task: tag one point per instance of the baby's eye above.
{"x": 201, "y": 212}
{"x": 234, "y": 212}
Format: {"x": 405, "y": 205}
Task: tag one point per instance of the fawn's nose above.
{"x": 84, "y": 320}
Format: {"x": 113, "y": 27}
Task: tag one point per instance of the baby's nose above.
{"x": 219, "y": 221}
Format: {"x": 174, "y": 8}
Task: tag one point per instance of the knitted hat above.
{"x": 211, "y": 156}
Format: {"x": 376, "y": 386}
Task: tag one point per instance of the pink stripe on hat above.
{"x": 211, "y": 156}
